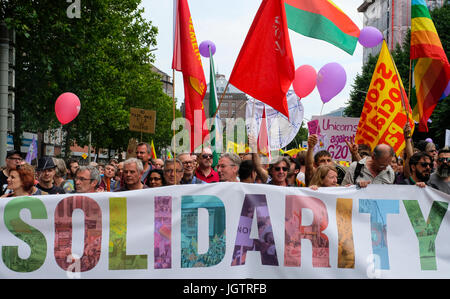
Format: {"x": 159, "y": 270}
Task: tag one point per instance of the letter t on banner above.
{"x": 378, "y": 210}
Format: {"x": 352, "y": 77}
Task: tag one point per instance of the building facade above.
{"x": 392, "y": 18}
{"x": 233, "y": 103}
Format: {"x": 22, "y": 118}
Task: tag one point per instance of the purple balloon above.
{"x": 429, "y": 140}
{"x": 204, "y": 48}
{"x": 370, "y": 37}
{"x": 331, "y": 79}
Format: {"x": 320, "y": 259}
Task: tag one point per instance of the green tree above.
{"x": 103, "y": 57}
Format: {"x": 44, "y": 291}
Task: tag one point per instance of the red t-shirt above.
{"x": 213, "y": 176}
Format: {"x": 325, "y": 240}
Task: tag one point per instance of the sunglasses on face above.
{"x": 442, "y": 160}
{"x": 279, "y": 168}
{"x": 206, "y": 156}
{"x": 425, "y": 164}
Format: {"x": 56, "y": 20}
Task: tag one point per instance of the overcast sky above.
{"x": 226, "y": 23}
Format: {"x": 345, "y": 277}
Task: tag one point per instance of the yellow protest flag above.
{"x": 386, "y": 108}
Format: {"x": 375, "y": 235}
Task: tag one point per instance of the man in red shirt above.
{"x": 204, "y": 170}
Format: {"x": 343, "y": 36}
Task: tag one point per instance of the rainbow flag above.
{"x": 432, "y": 70}
{"x": 322, "y": 19}
{"x": 152, "y": 146}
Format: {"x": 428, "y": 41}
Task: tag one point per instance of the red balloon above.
{"x": 67, "y": 107}
{"x": 304, "y": 81}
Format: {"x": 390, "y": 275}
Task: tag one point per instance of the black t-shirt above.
{"x": 52, "y": 190}
{"x": 3, "y": 183}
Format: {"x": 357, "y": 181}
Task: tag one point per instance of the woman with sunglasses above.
{"x": 155, "y": 178}
{"x": 278, "y": 171}
{"x": 325, "y": 176}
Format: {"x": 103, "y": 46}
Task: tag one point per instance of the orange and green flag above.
{"x": 432, "y": 69}
{"x": 386, "y": 109}
{"x": 322, "y": 19}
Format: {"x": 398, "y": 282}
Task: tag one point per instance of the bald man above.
{"x": 375, "y": 169}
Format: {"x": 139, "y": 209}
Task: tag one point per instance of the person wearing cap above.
{"x": 46, "y": 170}
{"x": 13, "y": 158}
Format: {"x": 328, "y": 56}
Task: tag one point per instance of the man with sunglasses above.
{"x": 440, "y": 179}
{"x": 420, "y": 165}
{"x": 204, "y": 171}
{"x": 278, "y": 171}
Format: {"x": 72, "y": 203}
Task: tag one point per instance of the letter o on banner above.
{"x": 92, "y": 233}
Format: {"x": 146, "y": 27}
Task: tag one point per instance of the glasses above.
{"x": 279, "y": 168}
{"x": 16, "y": 159}
{"x": 172, "y": 171}
{"x": 432, "y": 151}
{"x": 425, "y": 164}
{"x": 223, "y": 165}
{"x": 205, "y": 156}
{"x": 82, "y": 179}
{"x": 444, "y": 160}
{"x": 188, "y": 162}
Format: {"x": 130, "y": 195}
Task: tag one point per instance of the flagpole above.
{"x": 173, "y": 114}
{"x": 399, "y": 86}
{"x": 221, "y": 99}
{"x": 410, "y": 84}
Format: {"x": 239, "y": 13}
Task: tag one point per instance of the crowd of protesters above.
{"x": 420, "y": 164}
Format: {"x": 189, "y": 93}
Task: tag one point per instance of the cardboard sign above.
{"x": 142, "y": 120}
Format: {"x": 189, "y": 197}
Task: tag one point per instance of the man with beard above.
{"x": 420, "y": 165}
{"x": 440, "y": 179}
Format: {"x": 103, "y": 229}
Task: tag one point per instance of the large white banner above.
{"x": 228, "y": 230}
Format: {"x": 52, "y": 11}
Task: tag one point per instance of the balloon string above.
{"x": 323, "y": 104}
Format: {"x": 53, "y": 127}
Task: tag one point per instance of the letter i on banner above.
{"x": 163, "y": 232}
{"x": 118, "y": 258}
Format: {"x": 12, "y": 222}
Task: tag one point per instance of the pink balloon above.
{"x": 370, "y": 37}
{"x": 331, "y": 80}
{"x": 67, "y": 107}
{"x": 304, "y": 81}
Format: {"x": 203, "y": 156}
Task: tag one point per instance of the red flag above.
{"x": 265, "y": 68}
{"x": 187, "y": 59}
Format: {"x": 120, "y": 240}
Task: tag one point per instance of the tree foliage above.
{"x": 103, "y": 57}
{"x": 439, "y": 118}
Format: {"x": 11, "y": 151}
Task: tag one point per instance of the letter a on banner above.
{"x": 386, "y": 109}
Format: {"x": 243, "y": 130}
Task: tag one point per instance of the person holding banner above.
{"x": 228, "y": 167}
{"x": 313, "y": 161}
{"x": 325, "y": 176}
{"x": 440, "y": 179}
{"x": 278, "y": 171}
{"x": 132, "y": 174}
{"x": 20, "y": 182}
{"x": 173, "y": 174}
{"x": 13, "y": 159}
{"x": 375, "y": 169}
{"x": 420, "y": 166}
